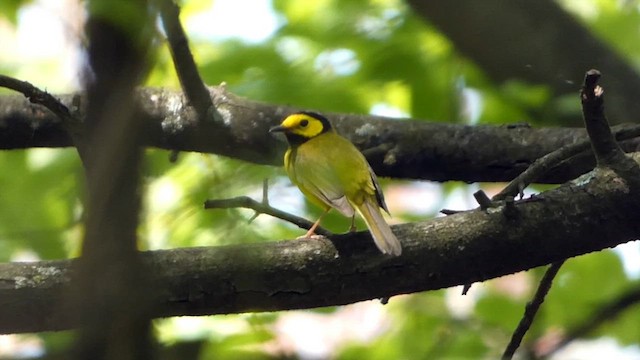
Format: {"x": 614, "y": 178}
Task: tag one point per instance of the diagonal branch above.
{"x": 606, "y": 312}
{"x": 531, "y": 310}
{"x": 70, "y": 123}
{"x": 543, "y": 165}
{"x": 185, "y": 66}
{"x": 37, "y": 96}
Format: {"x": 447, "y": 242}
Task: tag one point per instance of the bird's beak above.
{"x": 278, "y": 128}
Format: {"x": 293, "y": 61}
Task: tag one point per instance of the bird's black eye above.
{"x": 304, "y": 123}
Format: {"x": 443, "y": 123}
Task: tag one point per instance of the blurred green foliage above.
{"x": 39, "y": 196}
{"x": 9, "y": 9}
{"x": 339, "y": 56}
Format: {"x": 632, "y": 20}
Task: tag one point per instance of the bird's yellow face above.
{"x": 302, "y": 126}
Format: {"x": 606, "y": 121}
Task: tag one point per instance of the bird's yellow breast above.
{"x": 331, "y": 165}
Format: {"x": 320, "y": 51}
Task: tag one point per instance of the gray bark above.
{"x": 597, "y": 211}
{"x": 400, "y": 149}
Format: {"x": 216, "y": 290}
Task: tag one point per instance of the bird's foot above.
{"x": 353, "y": 227}
{"x": 311, "y": 236}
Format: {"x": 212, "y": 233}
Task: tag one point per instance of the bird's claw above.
{"x": 311, "y": 236}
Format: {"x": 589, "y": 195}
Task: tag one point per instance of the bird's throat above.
{"x": 296, "y": 140}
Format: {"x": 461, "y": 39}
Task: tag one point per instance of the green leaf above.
{"x": 497, "y": 310}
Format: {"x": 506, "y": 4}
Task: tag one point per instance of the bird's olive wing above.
{"x": 378, "y": 189}
{"x": 318, "y": 180}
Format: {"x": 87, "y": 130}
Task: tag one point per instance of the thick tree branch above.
{"x": 597, "y": 211}
{"x": 544, "y": 45}
{"x": 400, "y": 149}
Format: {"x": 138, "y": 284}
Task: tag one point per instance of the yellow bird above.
{"x": 332, "y": 173}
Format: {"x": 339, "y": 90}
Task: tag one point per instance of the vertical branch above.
{"x": 605, "y": 147}
{"x": 111, "y": 292}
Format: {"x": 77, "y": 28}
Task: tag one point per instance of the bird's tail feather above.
{"x": 384, "y": 238}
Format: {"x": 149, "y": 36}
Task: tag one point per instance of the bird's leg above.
{"x": 312, "y": 230}
{"x": 353, "y": 227}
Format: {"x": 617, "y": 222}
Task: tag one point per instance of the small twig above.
{"x": 265, "y": 198}
{"x": 37, "y": 96}
{"x": 542, "y": 165}
{"x": 466, "y": 288}
{"x": 70, "y": 123}
{"x": 185, "y": 66}
{"x": 173, "y": 156}
{"x": 265, "y": 192}
{"x": 531, "y": 309}
{"x": 606, "y": 312}
{"x": 485, "y": 203}
{"x": 260, "y": 208}
{"x": 451, "y": 212}
{"x": 482, "y": 199}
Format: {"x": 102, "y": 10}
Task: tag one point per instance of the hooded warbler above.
{"x": 332, "y": 173}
